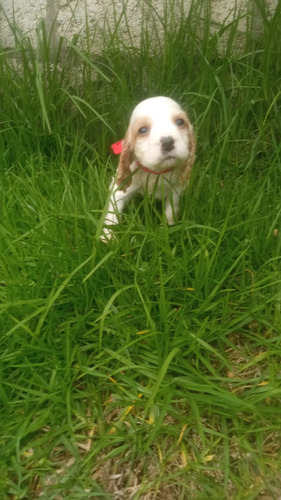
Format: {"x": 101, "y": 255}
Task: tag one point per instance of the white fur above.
{"x": 166, "y": 143}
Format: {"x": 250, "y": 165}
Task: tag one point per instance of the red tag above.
{"x": 117, "y": 147}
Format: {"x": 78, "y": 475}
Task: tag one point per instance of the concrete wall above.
{"x": 67, "y": 18}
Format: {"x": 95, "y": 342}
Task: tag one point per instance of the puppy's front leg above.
{"x": 116, "y": 205}
{"x": 172, "y": 208}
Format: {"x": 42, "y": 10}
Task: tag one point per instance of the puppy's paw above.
{"x": 107, "y": 235}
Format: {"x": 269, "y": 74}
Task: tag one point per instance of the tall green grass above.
{"x": 149, "y": 366}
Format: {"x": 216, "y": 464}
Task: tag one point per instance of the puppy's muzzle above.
{"x": 167, "y": 143}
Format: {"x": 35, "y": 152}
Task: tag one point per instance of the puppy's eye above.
{"x": 180, "y": 122}
{"x": 142, "y": 130}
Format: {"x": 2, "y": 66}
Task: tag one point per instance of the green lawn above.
{"x": 148, "y": 368}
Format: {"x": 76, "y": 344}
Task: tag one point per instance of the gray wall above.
{"x": 71, "y": 17}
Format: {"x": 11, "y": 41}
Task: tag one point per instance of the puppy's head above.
{"x": 159, "y": 137}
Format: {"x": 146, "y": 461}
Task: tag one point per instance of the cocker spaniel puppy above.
{"x": 157, "y": 155}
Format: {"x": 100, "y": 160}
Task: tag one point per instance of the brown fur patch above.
{"x": 123, "y": 170}
{"x": 127, "y": 155}
{"x": 182, "y": 116}
{"x": 186, "y": 169}
{"x": 144, "y": 121}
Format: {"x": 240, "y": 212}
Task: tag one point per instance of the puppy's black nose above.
{"x": 167, "y": 143}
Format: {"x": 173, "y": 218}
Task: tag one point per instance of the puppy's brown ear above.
{"x": 123, "y": 170}
{"x": 186, "y": 169}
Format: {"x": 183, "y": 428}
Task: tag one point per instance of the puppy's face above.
{"x": 159, "y": 131}
{"x": 159, "y": 137}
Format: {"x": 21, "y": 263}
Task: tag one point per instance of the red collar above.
{"x": 117, "y": 149}
{"x": 153, "y": 171}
